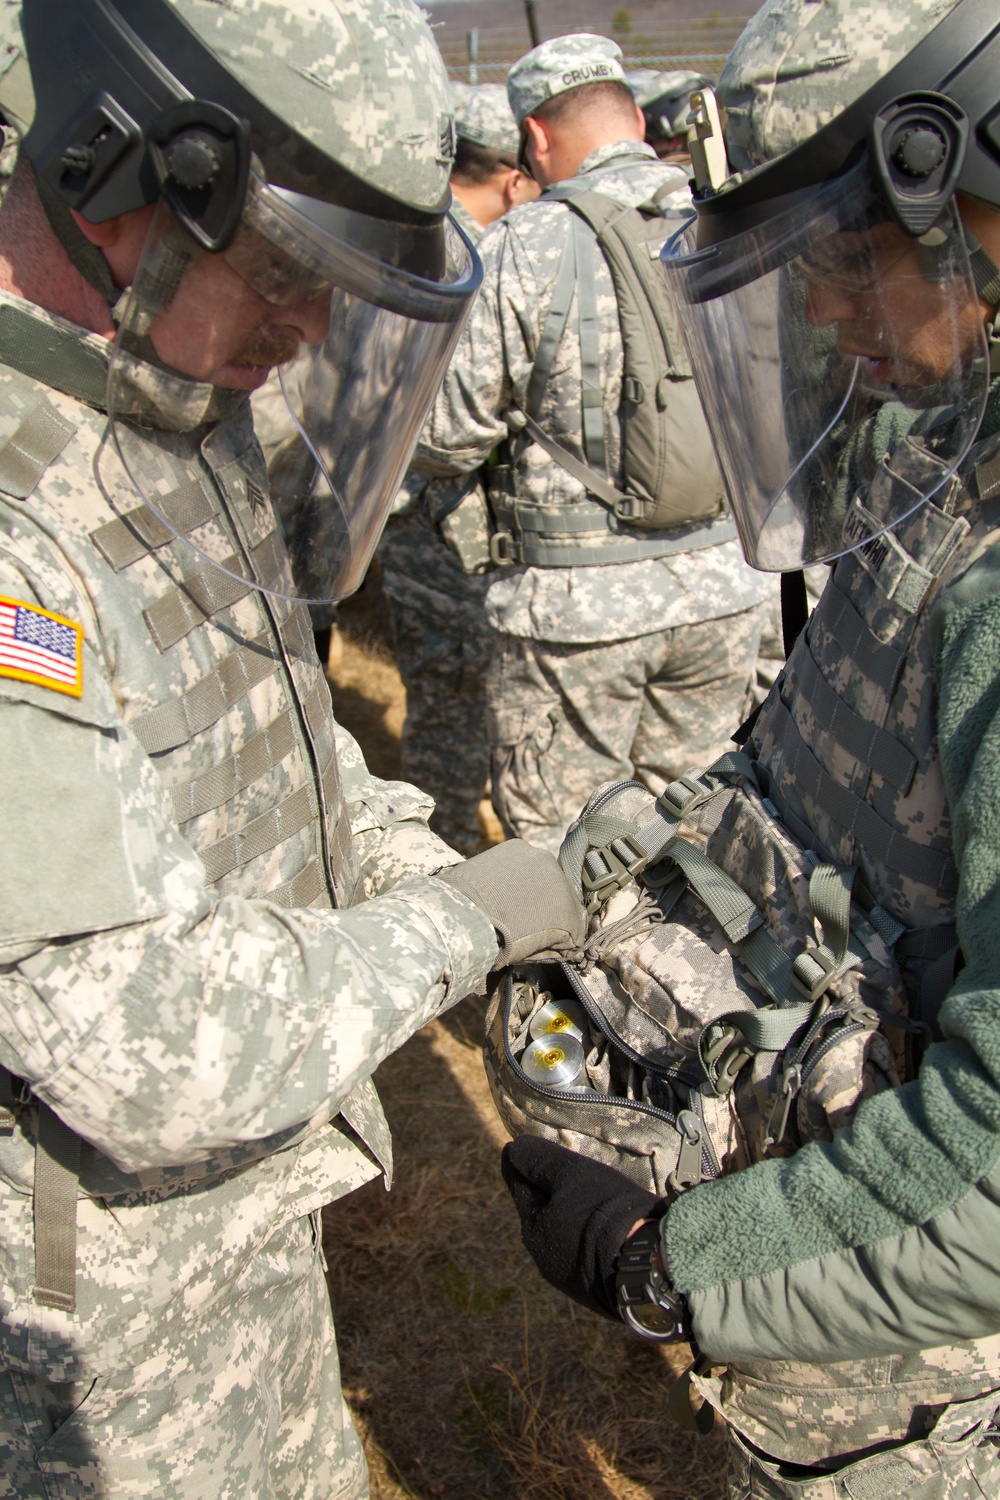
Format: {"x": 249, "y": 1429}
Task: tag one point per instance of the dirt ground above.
{"x": 469, "y": 1378}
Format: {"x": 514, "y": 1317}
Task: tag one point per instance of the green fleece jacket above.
{"x": 888, "y": 1238}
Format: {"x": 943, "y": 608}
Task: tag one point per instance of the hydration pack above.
{"x": 734, "y": 999}
{"x": 670, "y": 473}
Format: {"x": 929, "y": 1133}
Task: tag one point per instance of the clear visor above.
{"x": 842, "y": 365}
{"x": 340, "y": 327}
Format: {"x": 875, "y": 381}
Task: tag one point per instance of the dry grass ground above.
{"x": 468, "y": 1377}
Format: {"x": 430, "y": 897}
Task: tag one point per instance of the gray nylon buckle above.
{"x": 813, "y": 970}
{"x": 502, "y": 549}
{"x": 684, "y": 795}
{"x": 611, "y": 868}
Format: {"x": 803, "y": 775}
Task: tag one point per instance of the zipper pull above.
{"x": 791, "y": 1082}
{"x": 687, "y": 1172}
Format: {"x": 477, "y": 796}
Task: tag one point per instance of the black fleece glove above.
{"x": 575, "y": 1216}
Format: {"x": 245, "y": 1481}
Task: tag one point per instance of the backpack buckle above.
{"x": 684, "y": 795}
{"x": 502, "y": 549}
{"x": 611, "y": 868}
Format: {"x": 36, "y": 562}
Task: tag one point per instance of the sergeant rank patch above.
{"x": 36, "y": 646}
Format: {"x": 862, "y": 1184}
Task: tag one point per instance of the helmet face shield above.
{"x": 361, "y": 315}
{"x": 836, "y": 356}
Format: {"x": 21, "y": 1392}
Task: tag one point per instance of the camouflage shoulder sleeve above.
{"x": 163, "y": 1023}
{"x": 885, "y": 1239}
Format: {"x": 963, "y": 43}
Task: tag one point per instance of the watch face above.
{"x": 655, "y": 1322}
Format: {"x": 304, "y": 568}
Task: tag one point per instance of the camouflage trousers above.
{"x": 564, "y": 718}
{"x": 443, "y": 650}
{"x": 921, "y": 1426}
{"x": 249, "y": 1408}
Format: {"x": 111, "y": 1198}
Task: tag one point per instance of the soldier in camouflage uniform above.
{"x": 603, "y": 668}
{"x": 215, "y": 922}
{"x": 432, "y": 573}
{"x": 847, "y": 1296}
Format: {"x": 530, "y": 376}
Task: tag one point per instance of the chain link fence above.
{"x": 483, "y": 54}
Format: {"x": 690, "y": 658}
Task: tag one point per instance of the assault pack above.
{"x": 671, "y": 482}
{"x": 734, "y": 1000}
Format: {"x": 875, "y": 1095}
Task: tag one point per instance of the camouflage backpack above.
{"x": 733, "y": 1001}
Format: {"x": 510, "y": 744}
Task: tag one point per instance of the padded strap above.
{"x": 27, "y": 453}
{"x": 553, "y": 330}
{"x": 592, "y": 398}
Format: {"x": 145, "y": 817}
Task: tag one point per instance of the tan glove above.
{"x": 526, "y": 896}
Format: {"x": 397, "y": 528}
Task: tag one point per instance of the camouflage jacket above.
{"x": 182, "y": 815}
{"x": 478, "y": 406}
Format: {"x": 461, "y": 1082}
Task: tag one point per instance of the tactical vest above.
{"x": 219, "y": 683}
{"x": 673, "y": 498}
{"x": 847, "y": 741}
{"x": 845, "y": 755}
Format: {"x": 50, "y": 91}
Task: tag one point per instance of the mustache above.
{"x": 268, "y": 347}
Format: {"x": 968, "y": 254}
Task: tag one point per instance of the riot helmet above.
{"x": 294, "y": 160}
{"x": 828, "y": 290}
{"x": 665, "y": 101}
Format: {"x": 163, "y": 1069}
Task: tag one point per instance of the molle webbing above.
{"x": 173, "y": 723}
{"x": 29, "y": 450}
{"x": 140, "y": 531}
{"x": 879, "y": 662}
{"x": 259, "y": 755}
{"x": 305, "y": 889}
{"x": 885, "y": 844}
{"x": 260, "y": 835}
{"x": 880, "y": 751}
{"x": 211, "y": 588}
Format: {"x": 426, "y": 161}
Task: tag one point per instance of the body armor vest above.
{"x": 847, "y": 740}
{"x": 219, "y": 683}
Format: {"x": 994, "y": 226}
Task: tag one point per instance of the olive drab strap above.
{"x": 57, "y": 1173}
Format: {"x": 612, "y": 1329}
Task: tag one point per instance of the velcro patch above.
{"x": 36, "y": 646}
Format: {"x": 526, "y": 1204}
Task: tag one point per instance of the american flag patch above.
{"x": 36, "y": 646}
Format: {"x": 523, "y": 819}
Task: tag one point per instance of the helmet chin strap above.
{"x": 986, "y": 274}
{"x": 85, "y": 257}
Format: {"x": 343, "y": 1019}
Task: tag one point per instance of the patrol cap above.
{"x": 800, "y": 63}
{"x": 561, "y": 64}
{"x": 482, "y": 116}
{"x": 664, "y": 99}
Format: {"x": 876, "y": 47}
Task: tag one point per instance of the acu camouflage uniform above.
{"x": 846, "y": 1294}
{"x": 614, "y": 670}
{"x": 443, "y": 640}
{"x": 194, "y": 977}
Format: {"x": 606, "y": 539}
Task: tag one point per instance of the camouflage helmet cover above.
{"x": 800, "y": 63}
{"x": 664, "y": 100}
{"x": 346, "y": 99}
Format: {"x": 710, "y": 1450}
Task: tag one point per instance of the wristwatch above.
{"x": 646, "y": 1301}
